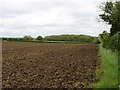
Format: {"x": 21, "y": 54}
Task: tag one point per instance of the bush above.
{"x": 27, "y": 37}
{"x": 96, "y": 41}
{"x": 112, "y": 42}
{"x": 106, "y": 41}
{"x": 39, "y": 38}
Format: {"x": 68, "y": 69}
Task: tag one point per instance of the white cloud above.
{"x": 46, "y": 17}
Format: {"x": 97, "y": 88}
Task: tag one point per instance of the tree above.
{"x": 39, "y": 38}
{"x": 27, "y": 37}
{"x": 111, "y": 15}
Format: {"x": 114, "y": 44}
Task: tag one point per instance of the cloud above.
{"x": 48, "y": 17}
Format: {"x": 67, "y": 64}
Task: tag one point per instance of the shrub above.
{"x": 112, "y": 42}
{"x": 39, "y": 38}
{"x": 96, "y": 41}
{"x": 27, "y": 37}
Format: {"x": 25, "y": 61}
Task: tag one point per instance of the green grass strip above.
{"x": 109, "y": 67}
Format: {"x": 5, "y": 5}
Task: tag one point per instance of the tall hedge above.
{"x": 112, "y": 42}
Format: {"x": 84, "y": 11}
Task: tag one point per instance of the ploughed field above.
{"x": 41, "y": 65}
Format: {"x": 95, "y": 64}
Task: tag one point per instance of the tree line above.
{"x": 63, "y": 37}
{"x": 25, "y": 38}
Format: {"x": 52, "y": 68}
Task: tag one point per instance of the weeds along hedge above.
{"x": 112, "y": 42}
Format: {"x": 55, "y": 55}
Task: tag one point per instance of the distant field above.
{"x": 43, "y": 65}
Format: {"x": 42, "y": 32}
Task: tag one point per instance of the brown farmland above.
{"x": 40, "y": 65}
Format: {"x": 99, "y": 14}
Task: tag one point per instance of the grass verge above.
{"x": 108, "y": 68}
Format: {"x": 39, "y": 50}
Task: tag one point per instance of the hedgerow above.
{"x": 112, "y": 42}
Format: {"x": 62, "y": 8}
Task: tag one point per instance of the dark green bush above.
{"x": 112, "y": 42}
{"x": 39, "y": 38}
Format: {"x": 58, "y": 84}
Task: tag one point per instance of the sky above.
{"x": 50, "y": 17}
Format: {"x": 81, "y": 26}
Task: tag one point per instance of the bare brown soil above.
{"x": 40, "y": 65}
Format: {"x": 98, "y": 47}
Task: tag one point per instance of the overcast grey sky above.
{"x": 49, "y": 17}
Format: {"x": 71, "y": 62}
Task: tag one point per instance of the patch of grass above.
{"x": 109, "y": 68}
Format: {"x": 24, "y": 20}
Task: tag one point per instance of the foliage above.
{"x": 111, "y": 15}
{"x": 111, "y": 42}
{"x": 39, "y": 38}
{"x": 78, "y": 38}
{"x": 85, "y": 38}
{"x": 65, "y": 38}
{"x": 27, "y": 37}
{"x": 96, "y": 41}
{"x": 11, "y": 39}
{"x": 103, "y": 35}
{"x": 114, "y": 43}
{"x": 16, "y": 39}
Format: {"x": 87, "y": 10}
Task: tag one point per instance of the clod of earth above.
{"x": 40, "y": 65}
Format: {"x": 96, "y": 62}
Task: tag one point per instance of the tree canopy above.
{"x": 111, "y": 15}
{"x": 39, "y": 38}
{"x": 27, "y": 37}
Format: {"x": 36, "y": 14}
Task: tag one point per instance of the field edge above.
{"x": 108, "y": 71}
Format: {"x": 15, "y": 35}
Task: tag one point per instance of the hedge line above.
{"x": 112, "y": 42}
